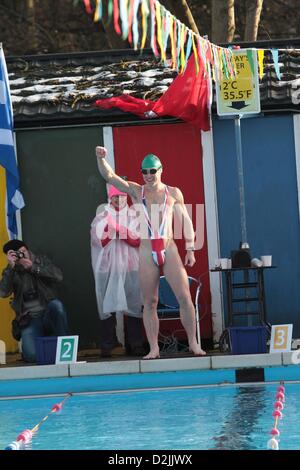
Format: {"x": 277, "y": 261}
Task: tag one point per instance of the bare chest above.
{"x": 157, "y": 198}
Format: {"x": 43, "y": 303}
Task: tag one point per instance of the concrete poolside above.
{"x": 125, "y": 373}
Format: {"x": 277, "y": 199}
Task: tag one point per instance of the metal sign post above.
{"x": 236, "y": 97}
{"x": 239, "y": 155}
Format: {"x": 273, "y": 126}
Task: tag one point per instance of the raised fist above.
{"x": 101, "y": 152}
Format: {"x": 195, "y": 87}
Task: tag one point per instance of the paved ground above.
{"x": 93, "y": 355}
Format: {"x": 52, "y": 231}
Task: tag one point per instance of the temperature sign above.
{"x": 240, "y": 95}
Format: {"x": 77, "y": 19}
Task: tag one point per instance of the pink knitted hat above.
{"x": 113, "y": 191}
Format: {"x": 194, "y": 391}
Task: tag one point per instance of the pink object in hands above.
{"x": 111, "y": 221}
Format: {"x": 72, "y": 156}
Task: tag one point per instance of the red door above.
{"x": 179, "y": 148}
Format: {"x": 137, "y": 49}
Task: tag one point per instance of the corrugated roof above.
{"x": 61, "y": 87}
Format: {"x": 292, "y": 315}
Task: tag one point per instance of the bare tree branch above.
{"x": 31, "y": 28}
{"x": 254, "y": 8}
{"x": 14, "y": 14}
{"x": 182, "y": 12}
{"x": 231, "y": 21}
{"x": 223, "y": 20}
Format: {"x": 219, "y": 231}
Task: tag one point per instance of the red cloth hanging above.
{"x": 186, "y": 98}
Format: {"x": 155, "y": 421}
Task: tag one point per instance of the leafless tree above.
{"x": 31, "y": 27}
{"x": 181, "y": 10}
{"x": 231, "y": 21}
{"x": 254, "y": 8}
{"x": 223, "y": 21}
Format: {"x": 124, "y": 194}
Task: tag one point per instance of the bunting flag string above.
{"x": 110, "y": 9}
{"x": 131, "y": 19}
{"x": 153, "y": 36}
{"x": 188, "y": 49}
{"x": 88, "y": 7}
{"x": 124, "y": 18}
{"x": 98, "y": 11}
{"x": 178, "y": 45}
{"x": 260, "y": 57}
{"x": 145, "y": 14}
{"x": 173, "y": 44}
{"x": 167, "y": 27}
{"x": 195, "y": 55}
{"x": 159, "y": 30}
{"x": 135, "y": 27}
{"x": 275, "y": 54}
{"x": 116, "y": 13}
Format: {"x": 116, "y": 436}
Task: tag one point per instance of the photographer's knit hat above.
{"x": 14, "y": 245}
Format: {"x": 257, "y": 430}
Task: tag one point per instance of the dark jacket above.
{"x": 43, "y": 275}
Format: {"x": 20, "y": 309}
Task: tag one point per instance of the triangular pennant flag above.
{"x": 250, "y": 60}
{"x": 275, "y": 54}
{"x": 260, "y": 56}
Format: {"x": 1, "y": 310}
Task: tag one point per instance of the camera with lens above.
{"x": 19, "y": 254}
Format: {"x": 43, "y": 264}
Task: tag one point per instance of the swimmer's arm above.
{"x": 181, "y": 212}
{"x": 110, "y": 176}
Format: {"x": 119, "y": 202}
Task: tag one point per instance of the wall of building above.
{"x": 179, "y": 147}
{"x": 62, "y": 189}
{"x": 271, "y": 198}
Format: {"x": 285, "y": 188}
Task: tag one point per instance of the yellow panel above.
{"x": 240, "y": 95}
{"x": 7, "y": 314}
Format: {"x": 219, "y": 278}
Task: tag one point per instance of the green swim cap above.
{"x": 151, "y": 161}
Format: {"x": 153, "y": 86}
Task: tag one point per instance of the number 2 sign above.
{"x": 66, "y": 349}
{"x": 281, "y": 338}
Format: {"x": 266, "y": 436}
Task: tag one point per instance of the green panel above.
{"x": 62, "y": 189}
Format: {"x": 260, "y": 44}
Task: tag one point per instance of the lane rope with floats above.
{"x": 25, "y": 437}
{"x": 273, "y": 443}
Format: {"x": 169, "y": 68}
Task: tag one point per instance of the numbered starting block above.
{"x": 281, "y": 338}
{"x": 56, "y": 350}
{"x": 66, "y": 350}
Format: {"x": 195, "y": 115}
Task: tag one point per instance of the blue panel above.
{"x": 115, "y": 382}
{"x": 282, "y": 373}
{"x": 271, "y": 200}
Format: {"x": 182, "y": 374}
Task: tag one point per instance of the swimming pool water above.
{"x": 228, "y": 417}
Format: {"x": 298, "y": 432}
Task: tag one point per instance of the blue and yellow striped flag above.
{"x": 10, "y": 197}
{"x": 14, "y": 199}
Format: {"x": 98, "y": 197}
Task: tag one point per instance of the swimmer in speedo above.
{"x": 158, "y": 250}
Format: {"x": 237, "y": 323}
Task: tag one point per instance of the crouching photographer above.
{"x": 31, "y": 280}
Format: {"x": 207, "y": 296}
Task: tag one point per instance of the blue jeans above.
{"x": 52, "y": 321}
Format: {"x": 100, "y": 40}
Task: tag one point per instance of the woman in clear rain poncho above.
{"x": 115, "y": 262}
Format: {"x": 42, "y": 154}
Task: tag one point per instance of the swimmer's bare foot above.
{"x": 196, "y": 350}
{"x": 153, "y": 354}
